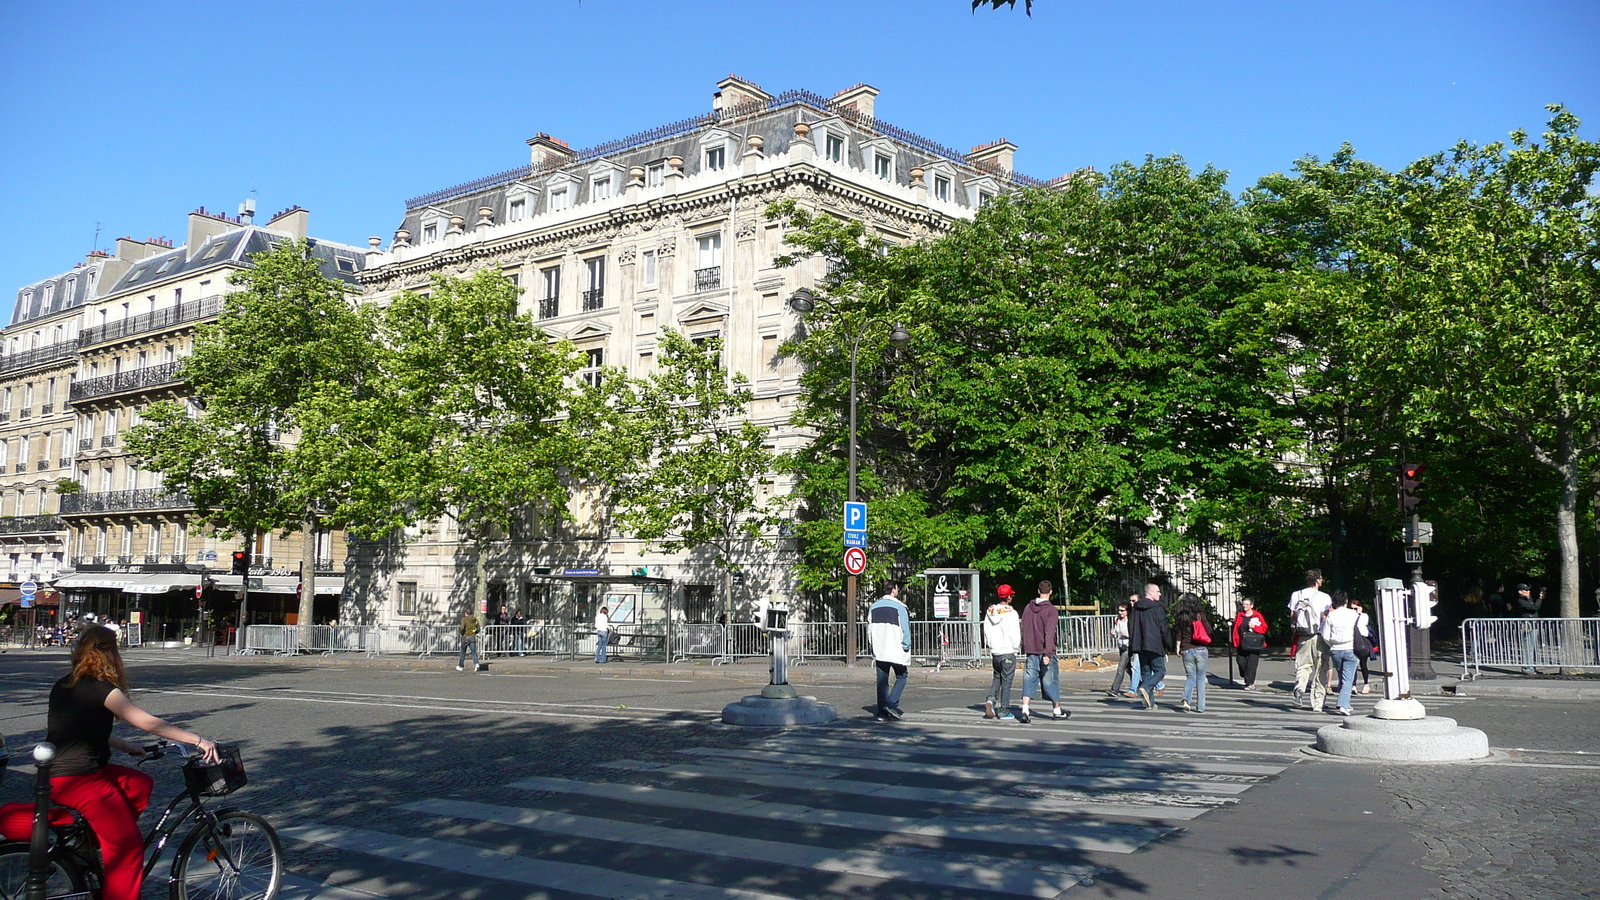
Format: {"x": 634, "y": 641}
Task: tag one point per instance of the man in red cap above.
{"x": 1002, "y": 631}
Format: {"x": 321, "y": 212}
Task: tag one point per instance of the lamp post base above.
{"x": 777, "y": 712}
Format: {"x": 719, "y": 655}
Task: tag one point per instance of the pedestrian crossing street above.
{"x": 940, "y": 804}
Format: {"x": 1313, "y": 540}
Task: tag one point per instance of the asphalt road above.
{"x": 419, "y": 782}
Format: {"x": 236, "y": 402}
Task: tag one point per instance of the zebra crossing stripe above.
{"x": 907, "y": 749}
{"x": 925, "y": 867}
{"x": 481, "y": 863}
{"x": 1147, "y": 807}
{"x": 1094, "y": 782}
{"x": 1162, "y": 733}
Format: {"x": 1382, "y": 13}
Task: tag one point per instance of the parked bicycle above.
{"x": 228, "y": 854}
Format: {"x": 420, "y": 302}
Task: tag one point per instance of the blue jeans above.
{"x": 1154, "y": 667}
{"x": 889, "y": 697}
{"x": 600, "y": 647}
{"x": 1038, "y": 678}
{"x": 1161, "y": 683}
{"x": 465, "y": 643}
{"x": 1194, "y": 666}
{"x": 1345, "y": 662}
{"x": 1005, "y": 669}
{"x": 1530, "y": 646}
{"x": 520, "y": 650}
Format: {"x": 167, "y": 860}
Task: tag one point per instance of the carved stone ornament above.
{"x": 676, "y": 162}
{"x": 668, "y": 248}
{"x": 626, "y": 255}
{"x": 746, "y": 232}
{"x": 801, "y": 129}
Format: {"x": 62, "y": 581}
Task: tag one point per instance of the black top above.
{"x": 80, "y": 726}
{"x": 1148, "y": 631}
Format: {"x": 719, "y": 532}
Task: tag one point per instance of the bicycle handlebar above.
{"x": 164, "y": 747}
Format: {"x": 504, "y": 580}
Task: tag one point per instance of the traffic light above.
{"x": 1424, "y": 597}
{"x": 1410, "y": 475}
{"x": 241, "y": 562}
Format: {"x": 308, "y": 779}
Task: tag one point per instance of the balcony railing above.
{"x": 549, "y": 307}
{"x": 25, "y": 413}
{"x": 322, "y": 565}
{"x": 30, "y": 524}
{"x": 708, "y": 279}
{"x": 38, "y": 357}
{"x": 20, "y": 467}
{"x": 47, "y": 409}
{"x": 108, "y": 440}
{"x": 64, "y": 462}
{"x": 42, "y": 464}
{"x": 192, "y": 311}
{"x": 122, "y": 382}
{"x": 593, "y": 300}
{"x": 151, "y": 559}
{"x": 86, "y": 444}
{"x": 122, "y": 501}
{"x": 5, "y": 416}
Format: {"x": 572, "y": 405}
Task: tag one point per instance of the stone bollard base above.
{"x": 1429, "y": 739}
{"x": 778, "y": 711}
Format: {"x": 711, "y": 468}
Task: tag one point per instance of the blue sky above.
{"x": 131, "y": 115}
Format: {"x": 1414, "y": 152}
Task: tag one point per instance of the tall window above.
{"x": 882, "y": 166}
{"x": 595, "y": 297}
{"x": 655, "y": 175}
{"x": 405, "y": 598}
{"x": 941, "y": 188}
{"x": 708, "y": 262}
{"x": 590, "y": 373}
{"x": 833, "y": 148}
{"x": 647, "y": 267}
{"x": 550, "y": 300}
{"x": 716, "y": 158}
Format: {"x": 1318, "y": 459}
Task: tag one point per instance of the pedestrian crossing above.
{"x": 940, "y": 804}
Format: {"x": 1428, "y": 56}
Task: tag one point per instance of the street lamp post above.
{"x": 804, "y": 301}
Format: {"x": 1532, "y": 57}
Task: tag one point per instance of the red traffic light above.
{"x": 1410, "y": 479}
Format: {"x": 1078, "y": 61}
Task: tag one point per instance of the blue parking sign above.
{"x": 855, "y": 517}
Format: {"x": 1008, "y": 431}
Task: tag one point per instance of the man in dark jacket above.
{"x": 1040, "y": 624}
{"x": 1525, "y": 606}
{"x": 1149, "y": 636}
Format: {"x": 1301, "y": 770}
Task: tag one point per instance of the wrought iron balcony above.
{"x": 47, "y": 409}
{"x": 40, "y": 356}
{"x": 86, "y": 444}
{"x": 122, "y": 501}
{"x": 322, "y": 565}
{"x": 108, "y": 440}
{"x": 549, "y": 307}
{"x": 593, "y": 300}
{"x": 123, "y": 382}
{"x": 5, "y": 416}
{"x": 25, "y": 413}
{"x": 708, "y": 279}
{"x": 42, "y": 464}
{"x": 64, "y": 462}
{"x": 21, "y": 466}
{"x": 151, "y": 559}
{"x": 30, "y": 524}
{"x": 192, "y": 311}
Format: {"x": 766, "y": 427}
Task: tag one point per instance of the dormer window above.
{"x": 560, "y": 198}
{"x": 941, "y": 188}
{"x": 520, "y": 202}
{"x": 600, "y": 188}
{"x": 215, "y": 248}
{"x": 517, "y": 209}
{"x": 716, "y": 158}
{"x": 984, "y": 199}
{"x": 833, "y": 148}
{"x": 883, "y": 166}
{"x": 430, "y": 232}
{"x": 166, "y": 265}
{"x": 878, "y": 156}
{"x": 655, "y": 174}
{"x": 345, "y": 264}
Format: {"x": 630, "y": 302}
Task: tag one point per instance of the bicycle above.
{"x": 228, "y": 853}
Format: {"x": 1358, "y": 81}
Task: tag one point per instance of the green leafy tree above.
{"x": 288, "y": 334}
{"x": 696, "y": 467}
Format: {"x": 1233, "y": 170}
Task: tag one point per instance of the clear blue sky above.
{"x": 133, "y": 114}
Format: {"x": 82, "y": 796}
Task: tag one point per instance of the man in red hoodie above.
{"x": 1040, "y": 624}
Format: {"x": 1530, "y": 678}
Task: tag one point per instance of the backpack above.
{"x": 1198, "y": 633}
{"x": 1305, "y": 623}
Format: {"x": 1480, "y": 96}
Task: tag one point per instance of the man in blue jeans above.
{"x": 602, "y": 630}
{"x": 1149, "y": 636}
{"x": 889, "y": 630}
{"x": 1041, "y": 622}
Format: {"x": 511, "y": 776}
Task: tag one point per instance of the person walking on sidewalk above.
{"x": 602, "y": 631}
{"x": 889, "y": 630}
{"x": 1250, "y": 640}
{"x": 1526, "y": 607}
{"x": 1194, "y": 647}
{"x": 1150, "y": 637}
{"x": 1002, "y": 631}
{"x": 1307, "y": 606}
{"x": 1339, "y": 630}
{"x": 1041, "y": 622}
{"x": 1119, "y": 633}
{"x": 469, "y": 638}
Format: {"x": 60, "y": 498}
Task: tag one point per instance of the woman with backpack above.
{"x": 1250, "y": 640}
{"x": 1194, "y": 643}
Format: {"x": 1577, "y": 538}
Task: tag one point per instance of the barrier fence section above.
{"x": 268, "y": 639}
{"x": 636, "y": 641}
{"x": 1086, "y": 636}
{"x": 1528, "y": 644}
{"x": 285, "y": 640}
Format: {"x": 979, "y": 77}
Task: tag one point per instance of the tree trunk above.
{"x": 308, "y": 569}
{"x": 1567, "y": 526}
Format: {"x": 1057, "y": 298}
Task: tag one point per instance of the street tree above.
{"x": 288, "y": 334}
{"x": 695, "y": 469}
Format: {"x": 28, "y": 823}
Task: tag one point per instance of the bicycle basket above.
{"x": 217, "y": 780}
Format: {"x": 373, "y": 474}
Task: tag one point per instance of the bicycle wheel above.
{"x": 65, "y": 879}
{"x": 240, "y": 858}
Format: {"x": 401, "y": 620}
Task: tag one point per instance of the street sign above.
{"x": 29, "y": 588}
{"x": 1421, "y": 533}
{"x": 27, "y": 601}
{"x": 855, "y": 560}
{"x": 855, "y": 517}
{"x": 580, "y": 572}
{"x": 1414, "y": 555}
{"x": 855, "y": 539}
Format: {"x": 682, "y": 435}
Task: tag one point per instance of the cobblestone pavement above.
{"x": 348, "y": 746}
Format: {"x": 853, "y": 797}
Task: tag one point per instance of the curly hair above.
{"x": 96, "y": 656}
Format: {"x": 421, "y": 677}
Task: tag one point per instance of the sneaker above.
{"x": 459, "y": 669}
{"x": 1160, "y": 690}
{"x": 1366, "y": 689}
{"x": 1344, "y": 711}
{"x": 1186, "y": 707}
{"x": 895, "y": 713}
{"x": 1131, "y": 695}
{"x": 1023, "y": 717}
{"x": 1299, "y": 694}
{"x": 1058, "y": 713}
{"x": 1251, "y": 687}
{"x": 988, "y": 709}
{"x": 1146, "y": 699}
{"x": 1201, "y": 710}
{"x": 1008, "y": 717}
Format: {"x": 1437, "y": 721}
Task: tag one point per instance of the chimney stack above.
{"x": 861, "y": 99}
{"x": 549, "y": 152}
{"x": 292, "y": 220}
{"x": 996, "y": 156}
{"x": 737, "y": 96}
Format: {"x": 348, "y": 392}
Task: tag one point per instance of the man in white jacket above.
{"x": 1002, "y": 631}
{"x": 1307, "y": 607}
{"x": 889, "y": 629}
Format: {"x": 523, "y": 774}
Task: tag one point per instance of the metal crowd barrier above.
{"x": 636, "y": 641}
{"x": 1085, "y": 636}
{"x": 286, "y": 640}
{"x": 269, "y": 639}
{"x": 1526, "y": 644}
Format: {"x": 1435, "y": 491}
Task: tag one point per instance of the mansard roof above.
{"x": 235, "y": 248}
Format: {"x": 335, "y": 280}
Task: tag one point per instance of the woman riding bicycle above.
{"x": 82, "y": 707}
